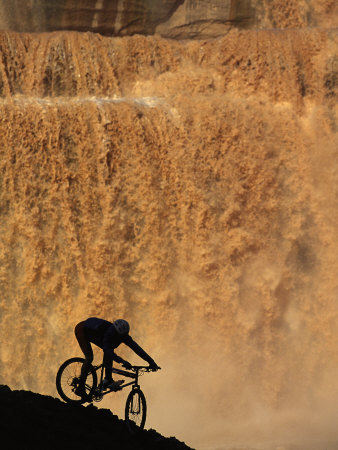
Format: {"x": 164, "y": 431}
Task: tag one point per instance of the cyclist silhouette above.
{"x": 108, "y": 336}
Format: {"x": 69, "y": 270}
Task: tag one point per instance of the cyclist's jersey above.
{"x": 103, "y": 334}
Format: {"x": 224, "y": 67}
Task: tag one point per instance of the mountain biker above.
{"x": 108, "y": 336}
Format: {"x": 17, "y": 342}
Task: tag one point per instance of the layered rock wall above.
{"x": 180, "y": 19}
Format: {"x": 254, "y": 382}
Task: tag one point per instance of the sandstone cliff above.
{"x": 179, "y": 19}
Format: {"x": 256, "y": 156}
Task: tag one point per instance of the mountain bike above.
{"x": 68, "y": 379}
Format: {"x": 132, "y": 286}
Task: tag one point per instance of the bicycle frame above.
{"x": 124, "y": 373}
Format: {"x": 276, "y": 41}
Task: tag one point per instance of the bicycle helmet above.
{"x": 121, "y": 326}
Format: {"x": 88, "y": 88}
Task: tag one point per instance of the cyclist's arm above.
{"x": 138, "y": 350}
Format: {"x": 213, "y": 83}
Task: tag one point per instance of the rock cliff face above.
{"x": 180, "y": 19}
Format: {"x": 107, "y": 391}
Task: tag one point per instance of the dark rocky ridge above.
{"x": 33, "y": 421}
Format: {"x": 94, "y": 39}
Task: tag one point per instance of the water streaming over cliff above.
{"x": 190, "y": 187}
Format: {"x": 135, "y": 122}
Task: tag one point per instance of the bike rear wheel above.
{"x": 68, "y": 379}
{"x": 135, "y": 411}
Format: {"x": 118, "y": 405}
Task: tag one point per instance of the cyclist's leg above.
{"x": 108, "y": 366}
{"x": 85, "y": 345}
{"x": 108, "y": 382}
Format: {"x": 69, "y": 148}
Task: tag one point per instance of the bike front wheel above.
{"x": 68, "y": 379}
{"x": 135, "y": 411}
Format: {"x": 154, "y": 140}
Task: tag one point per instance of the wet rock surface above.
{"x": 35, "y": 421}
{"x": 178, "y": 19}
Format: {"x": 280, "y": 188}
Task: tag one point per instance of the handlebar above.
{"x": 144, "y": 368}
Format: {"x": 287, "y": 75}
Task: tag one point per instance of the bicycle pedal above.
{"x": 114, "y": 389}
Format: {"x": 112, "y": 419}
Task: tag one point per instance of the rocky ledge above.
{"x": 33, "y": 421}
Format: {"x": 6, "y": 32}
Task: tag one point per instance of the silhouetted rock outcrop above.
{"x": 33, "y": 421}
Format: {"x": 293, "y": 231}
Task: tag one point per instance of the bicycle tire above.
{"x": 67, "y": 379}
{"x": 135, "y": 411}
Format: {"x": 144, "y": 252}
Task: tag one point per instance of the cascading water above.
{"x": 190, "y": 187}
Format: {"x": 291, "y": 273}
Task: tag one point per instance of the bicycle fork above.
{"x": 135, "y": 405}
